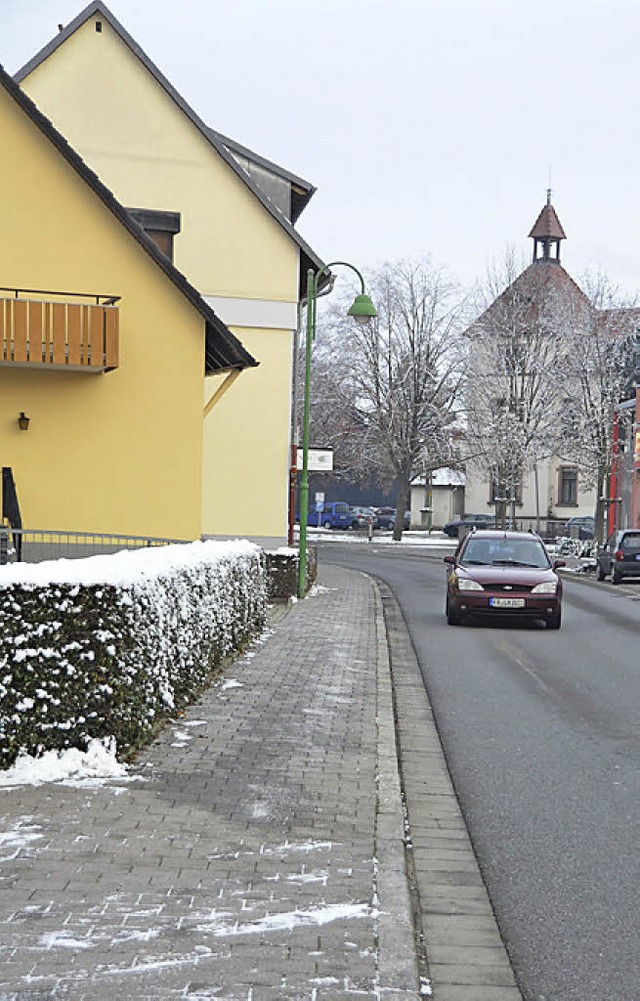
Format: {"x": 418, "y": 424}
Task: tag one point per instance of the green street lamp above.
{"x": 362, "y": 311}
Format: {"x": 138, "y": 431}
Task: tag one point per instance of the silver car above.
{"x": 362, "y": 517}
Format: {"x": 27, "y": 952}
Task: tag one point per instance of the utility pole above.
{"x": 635, "y": 482}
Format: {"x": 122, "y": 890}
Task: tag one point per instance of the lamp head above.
{"x": 362, "y": 309}
{"x": 23, "y": 421}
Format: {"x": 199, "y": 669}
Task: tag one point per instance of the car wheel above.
{"x": 326, "y": 524}
{"x": 355, "y": 525}
{"x": 453, "y": 618}
{"x": 555, "y": 621}
{"x": 615, "y": 576}
{"x": 600, "y": 574}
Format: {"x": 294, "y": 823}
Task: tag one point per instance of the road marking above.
{"x": 510, "y": 652}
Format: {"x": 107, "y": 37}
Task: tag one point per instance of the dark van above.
{"x": 333, "y": 515}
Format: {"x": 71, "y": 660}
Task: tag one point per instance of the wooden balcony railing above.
{"x": 57, "y": 334}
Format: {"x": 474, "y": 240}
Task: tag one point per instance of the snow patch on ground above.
{"x": 230, "y": 683}
{"x": 64, "y": 940}
{"x": 18, "y": 839}
{"x": 309, "y": 877}
{"x": 283, "y": 849}
{"x": 98, "y": 762}
{"x": 288, "y": 920}
{"x": 409, "y": 538}
{"x": 319, "y": 589}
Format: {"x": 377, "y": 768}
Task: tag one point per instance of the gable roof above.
{"x": 309, "y": 258}
{"x": 529, "y": 287}
{"x": 223, "y": 351}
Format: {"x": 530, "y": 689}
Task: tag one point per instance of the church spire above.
{"x": 547, "y": 233}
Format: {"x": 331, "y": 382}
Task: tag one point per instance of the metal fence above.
{"x": 32, "y": 545}
{"x": 547, "y": 528}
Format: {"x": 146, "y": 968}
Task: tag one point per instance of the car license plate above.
{"x": 506, "y": 602}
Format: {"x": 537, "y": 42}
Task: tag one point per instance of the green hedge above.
{"x": 107, "y": 647}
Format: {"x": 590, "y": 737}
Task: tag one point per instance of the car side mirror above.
{"x": 449, "y": 559}
{"x": 559, "y": 563}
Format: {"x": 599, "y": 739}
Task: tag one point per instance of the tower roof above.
{"x": 547, "y": 225}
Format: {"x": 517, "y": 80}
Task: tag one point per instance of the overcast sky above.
{"x": 429, "y": 128}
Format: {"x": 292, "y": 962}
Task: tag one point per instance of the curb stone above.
{"x": 397, "y": 955}
{"x": 467, "y": 957}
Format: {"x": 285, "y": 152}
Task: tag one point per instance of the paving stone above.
{"x": 243, "y": 863}
{"x": 263, "y": 856}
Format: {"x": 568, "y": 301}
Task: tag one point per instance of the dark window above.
{"x": 567, "y": 485}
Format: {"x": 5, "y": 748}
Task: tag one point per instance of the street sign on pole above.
{"x": 320, "y": 460}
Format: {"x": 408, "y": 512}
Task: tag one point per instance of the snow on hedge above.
{"x": 105, "y": 647}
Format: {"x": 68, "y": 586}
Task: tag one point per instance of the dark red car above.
{"x": 496, "y": 573}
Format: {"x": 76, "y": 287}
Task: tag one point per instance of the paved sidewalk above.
{"x": 257, "y": 851}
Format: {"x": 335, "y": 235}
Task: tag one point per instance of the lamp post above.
{"x": 362, "y": 310}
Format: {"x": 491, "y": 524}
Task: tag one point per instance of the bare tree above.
{"x": 390, "y": 390}
{"x": 511, "y": 401}
{"x": 593, "y": 379}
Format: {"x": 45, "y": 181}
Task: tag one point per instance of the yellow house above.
{"x": 103, "y": 346}
{"x": 227, "y": 215}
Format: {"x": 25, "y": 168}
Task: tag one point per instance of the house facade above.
{"x": 103, "y": 348}
{"x": 437, "y": 499}
{"x": 513, "y": 355}
{"x": 227, "y": 217}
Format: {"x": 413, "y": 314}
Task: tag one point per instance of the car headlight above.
{"x": 466, "y": 584}
{"x": 548, "y": 587}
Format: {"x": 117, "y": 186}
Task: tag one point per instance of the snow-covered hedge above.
{"x": 568, "y": 546}
{"x": 105, "y": 646}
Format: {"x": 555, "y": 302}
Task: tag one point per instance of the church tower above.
{"x": 546, "y": 234}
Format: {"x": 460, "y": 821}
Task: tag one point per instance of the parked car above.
{"x": 620, "y": 556}
{"x": 580, "y": 527}
{"x": 497, "y": 573}
{"x": 452, "y": 528}
{"x": 332, "y": 515}
{"x": 362, "y": 517}
{"x": 386, "y": 516}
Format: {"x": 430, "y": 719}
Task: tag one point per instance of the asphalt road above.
{"x": 541, "y": 731}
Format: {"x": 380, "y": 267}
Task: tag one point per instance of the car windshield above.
{"x": 504, "y": 552}
{"x": 341, "y": 508}
{"x": 631, "y": 543}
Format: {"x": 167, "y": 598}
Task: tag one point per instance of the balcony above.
{"x": 45, "y": 330}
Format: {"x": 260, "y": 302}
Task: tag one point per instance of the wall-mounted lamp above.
{"x": 23, "y": 421}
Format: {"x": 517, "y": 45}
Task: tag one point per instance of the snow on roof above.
{"x": 442, "y": 478}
